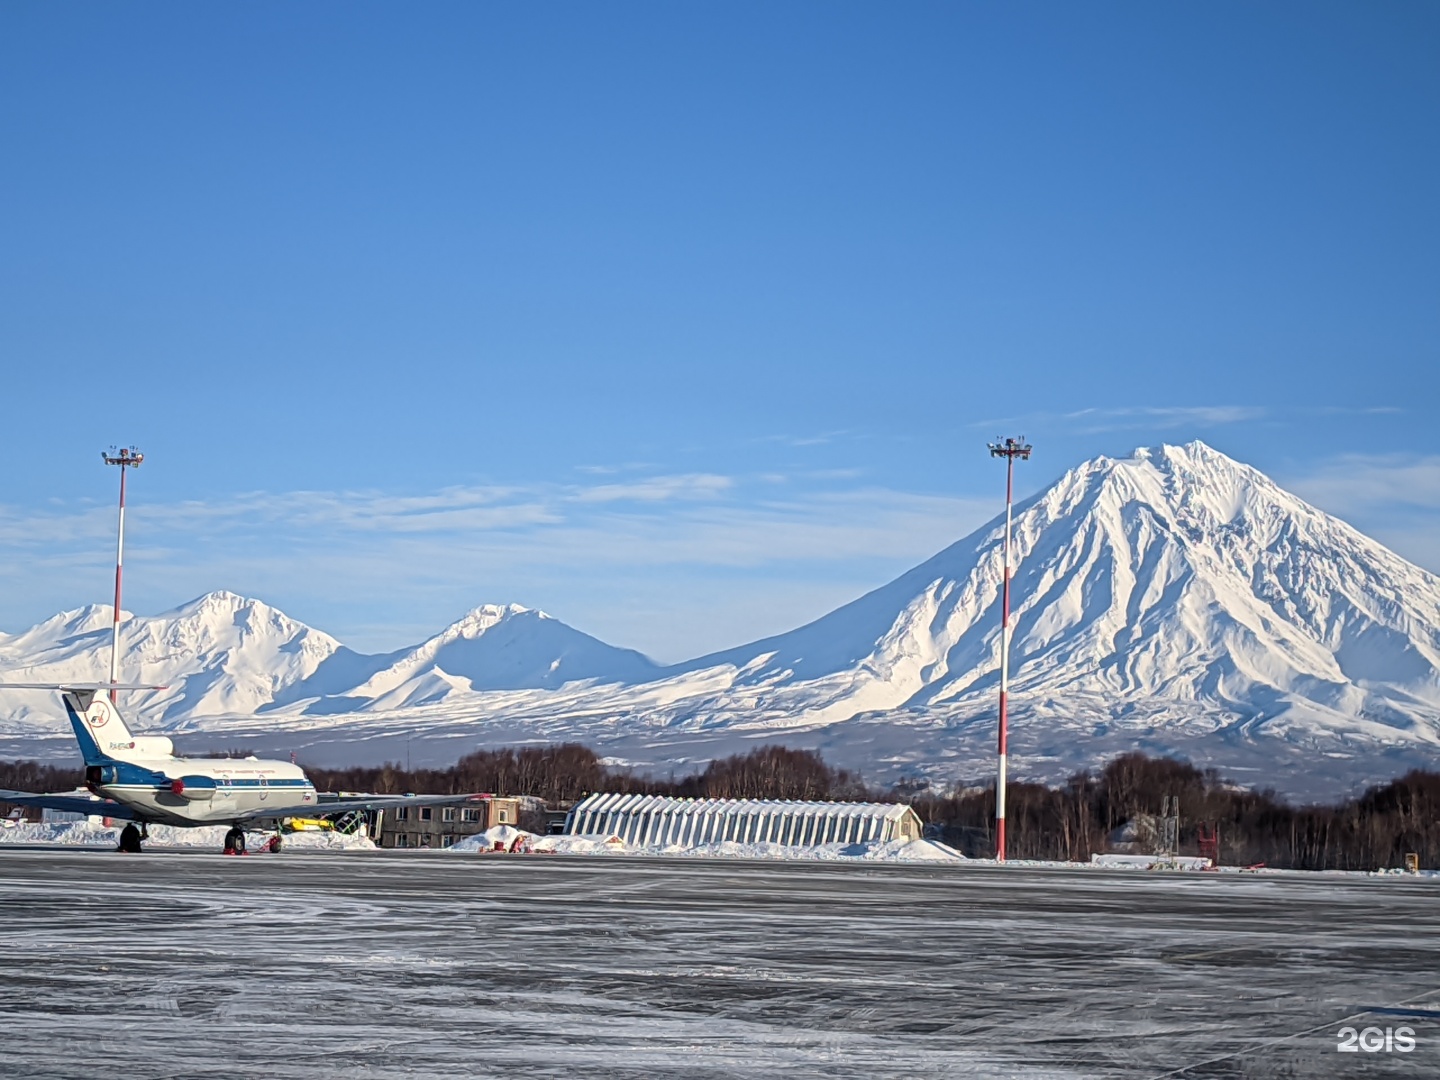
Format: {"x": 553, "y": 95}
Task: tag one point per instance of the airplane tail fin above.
{"x": 98, "y": 726}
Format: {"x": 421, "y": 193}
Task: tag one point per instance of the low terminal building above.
{"x": 657, "y": 820}
{"x": 442, "y": 826}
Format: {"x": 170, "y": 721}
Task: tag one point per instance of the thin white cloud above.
{"x": 656, "y": 489}
{"x": 1095, "y": 421}
{"x": 1357, "y": 482}
{"x": 612, "y": 470}
{"x": 1100, "y": 419}
{"x": 823, "y": 438}
{"x": 450, "y": 509}
{"x": 594, "y": 551}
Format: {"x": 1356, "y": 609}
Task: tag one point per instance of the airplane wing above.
{"x": 74, "y": 804}
{"x": 342, "y": 804}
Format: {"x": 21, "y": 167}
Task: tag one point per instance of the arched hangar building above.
{"x": 657, "y": 820}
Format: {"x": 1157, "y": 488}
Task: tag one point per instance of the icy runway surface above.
{"x": 425, "y": 965}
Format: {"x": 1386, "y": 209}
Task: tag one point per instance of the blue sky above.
{"x": 686, "y": 322}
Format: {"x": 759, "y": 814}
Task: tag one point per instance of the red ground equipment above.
{"x": 1208, "y": 837}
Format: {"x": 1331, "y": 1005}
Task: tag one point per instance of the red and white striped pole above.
{"x": 125, "y": 457}
{"x": 1010, "y": 449}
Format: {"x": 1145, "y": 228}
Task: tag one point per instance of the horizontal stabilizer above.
{"x": 78, "y": 686}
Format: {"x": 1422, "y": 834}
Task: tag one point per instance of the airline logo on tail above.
{"x": 98, "y": 714}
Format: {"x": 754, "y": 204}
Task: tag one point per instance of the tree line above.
{"x": 1080, "y": 817}
{"x": 567, "y": 772}
{"x": 1071, "y": 820}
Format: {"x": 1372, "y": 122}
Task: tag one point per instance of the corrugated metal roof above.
{"x": 664, "y": 803}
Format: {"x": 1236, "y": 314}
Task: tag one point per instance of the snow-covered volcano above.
{"x": 1175, "y": 601}
{"x": 1177, "y": 573}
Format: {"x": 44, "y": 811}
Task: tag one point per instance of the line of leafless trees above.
{"x": 1071, "y": 820}
{"x": 1079, "y": 817}
{"x": 569, "y": 771}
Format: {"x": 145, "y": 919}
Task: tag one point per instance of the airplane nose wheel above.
{"x": 130, "y": 838}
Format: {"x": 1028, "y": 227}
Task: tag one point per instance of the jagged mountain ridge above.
{"x": 223, "y": 654}
{"x": 219, "y": 654}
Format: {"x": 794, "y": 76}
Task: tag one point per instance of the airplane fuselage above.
{"x": 140, "y": 777}
{"x": 191, "y": 791}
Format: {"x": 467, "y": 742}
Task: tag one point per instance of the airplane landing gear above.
{"x": 235, "y": 841}
{"x": 130, "y": 838}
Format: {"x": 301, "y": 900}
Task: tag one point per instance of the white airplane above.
{"x": 139, "y": 778}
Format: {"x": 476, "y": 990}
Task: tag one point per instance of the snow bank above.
{"x": 1152, "y": 862}
{"x": 89, "y": 833}
{"x": 73, "y": 833}
{"x": 891, "y": 851}
{"x": 502, "y": 837}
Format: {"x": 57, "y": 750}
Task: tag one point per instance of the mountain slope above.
{"x": 220, "y": 653}
{"x": 224, "y": 654}
{"x": 1177, "y": 573}
{"x": 492, "y": 648}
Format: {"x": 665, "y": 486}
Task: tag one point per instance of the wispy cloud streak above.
{"x": 1356, "y": 482}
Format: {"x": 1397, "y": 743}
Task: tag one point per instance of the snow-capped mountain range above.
{"x": 1175, "y": 601}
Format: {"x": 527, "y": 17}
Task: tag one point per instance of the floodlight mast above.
{"x": 127, "y": 457}
{"x": 1010, "y": 449}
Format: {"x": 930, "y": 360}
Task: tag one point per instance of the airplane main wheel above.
{"x": 235, "y": 841}
{"x": 129, "y": 839}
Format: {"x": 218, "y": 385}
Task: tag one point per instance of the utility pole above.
{"x": 1010, "y": 449}
{"x": 126, "y": 458}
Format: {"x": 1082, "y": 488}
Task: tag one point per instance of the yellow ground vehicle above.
{"x": 303, "y": 824}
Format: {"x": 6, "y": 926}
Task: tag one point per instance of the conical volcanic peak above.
{"x": 1177, "y": 572}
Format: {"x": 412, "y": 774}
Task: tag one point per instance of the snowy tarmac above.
{"x": 382, "y": 964}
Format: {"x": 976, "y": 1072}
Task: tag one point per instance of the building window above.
{"x": 401, "y": 813}
{"x": 447, "y": 841}
{"x": 504, "y": 815}
{"x": 401, "y": 840}
{"x": 426, "y": 813}
{"x": 469, "y": 814}
{"x": 447, "y": 813}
